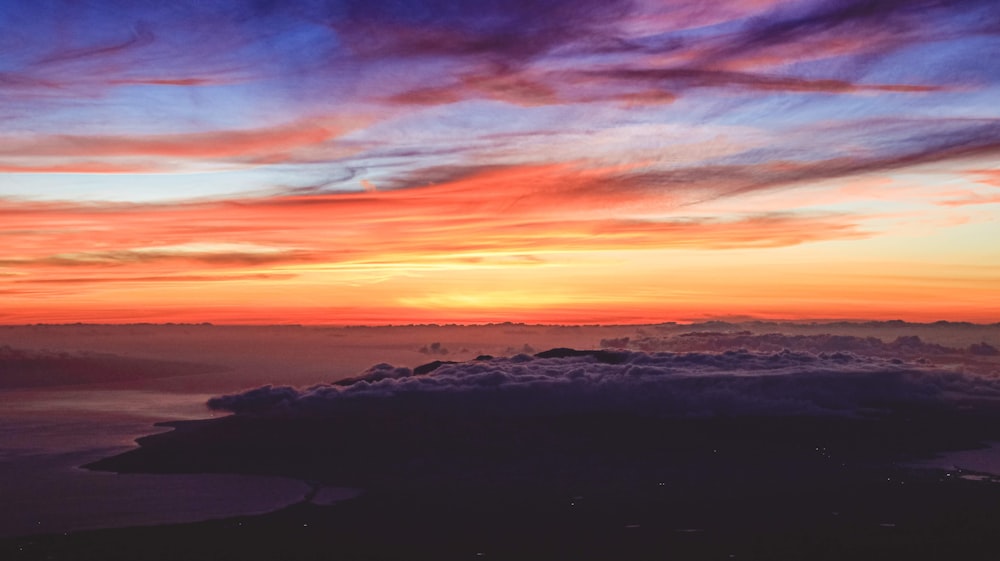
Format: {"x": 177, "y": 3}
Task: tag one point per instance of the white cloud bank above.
{"x": 730, "y": 383}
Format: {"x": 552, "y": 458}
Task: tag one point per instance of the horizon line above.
{"x": 733, "y": 321}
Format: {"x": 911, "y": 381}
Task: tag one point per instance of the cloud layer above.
{"x": 730, "y": 383}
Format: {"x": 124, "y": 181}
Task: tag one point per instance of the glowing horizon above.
{"x": 587, "y": 162}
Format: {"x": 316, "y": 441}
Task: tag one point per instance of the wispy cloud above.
{"x": 270, "y": 145}
{"x": 544, "y": 209}
{"x": 86, "y": 280}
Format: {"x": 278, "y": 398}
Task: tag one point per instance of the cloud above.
{"x": 909, "y": 346}
{"x": 627, "y": 84}
{"x": 139, "y": 36}
{"x": 80, "y": 281}
{"x": 513, "y": 30}
{"x": 662, "y": 64}
{"x": 83, "y": 167}
{"x": 18, "y": 80}
{"x": 102, "y": 49}
{"x": 501, "y": 85}
{"x": 679, "y": 79}
{"x": 903, "y": 144}
{"x": 685, "y": 166}
{"x": 887, "y": 25}
{"x": 161, "y": 81}
{"x": 972, "y": 199}
{"x": 147, "y": 256}
{"x": 987, "y": 177}
{"x": 441, "y": 40}
{"x": 273, "y": 143}
{"x": 730, "y": 383}
{"x": 530, "y": 210}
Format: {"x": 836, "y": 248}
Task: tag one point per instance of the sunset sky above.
{"x": 579, "y": 161}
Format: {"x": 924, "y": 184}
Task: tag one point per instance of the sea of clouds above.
{"x": 668, "y": 384}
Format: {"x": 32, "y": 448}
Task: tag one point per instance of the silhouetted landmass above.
{"x": 983, "y": 349}
{"x": 606, "y": 357}
{"x": 578, "y": 487}
{"x": 431, "y": 366}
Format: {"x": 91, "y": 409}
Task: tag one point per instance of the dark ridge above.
{"x": 715, "y": 334}
{"x": 606, "y": 357}
{"x": 431, "y": 366}
{"x": 983, "y": 349}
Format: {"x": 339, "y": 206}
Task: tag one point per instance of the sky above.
{"x": 549, "y": 161}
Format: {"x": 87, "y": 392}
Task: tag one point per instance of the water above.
{"x": 46, "y": 434}
{"x": 984, "y": 462}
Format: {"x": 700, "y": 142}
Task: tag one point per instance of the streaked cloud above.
{"x": 544, "y": 209}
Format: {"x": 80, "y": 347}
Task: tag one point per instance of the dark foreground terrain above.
{"x": 513, "y": 470}
{"x": 580, "y": 488}
{"x": 935, "y": 522}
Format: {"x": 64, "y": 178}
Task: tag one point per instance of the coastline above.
{"x": 761, "y": 494}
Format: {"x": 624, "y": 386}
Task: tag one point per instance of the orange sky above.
{"x": 447, "y": 253}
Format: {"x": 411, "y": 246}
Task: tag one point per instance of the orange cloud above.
{"x": 973, "y": 199}
{"x": 82, "y": 167}
{"x": 263, "y": 144}
{"x": 85, "y": 280}
{"x": 529, "y": 210}
{"x": 538, "y": 243}
{"x": 167, "y": 82}
{"x": 988, "y": 176}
